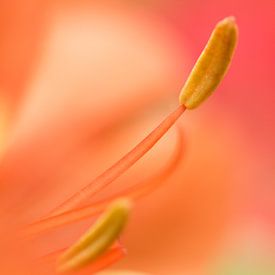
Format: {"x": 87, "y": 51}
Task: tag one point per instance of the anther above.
{"x": 212, "y": 64}
{"x": 98, "y": 238}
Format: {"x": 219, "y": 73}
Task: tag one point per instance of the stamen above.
{"x": 211, "y": 65}
{"x": 204, "y": 78}
{"x": 135, "y": 192}
{"x": 98, "y": 239}
{"x": 121, "y": 166}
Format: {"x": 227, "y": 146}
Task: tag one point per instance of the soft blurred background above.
{"x": 81, "y": 82}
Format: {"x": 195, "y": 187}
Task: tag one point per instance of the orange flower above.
{"x": 56, "y": 128}
{"x": 82, "y": 87}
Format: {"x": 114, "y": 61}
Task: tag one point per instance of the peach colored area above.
{"x": 85, "y": 81}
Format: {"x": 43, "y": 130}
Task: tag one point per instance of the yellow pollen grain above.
{"x": 97, "y": 239}
{"x": 212, "y": 64}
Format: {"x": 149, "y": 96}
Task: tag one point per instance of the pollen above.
{"x": 212, "y": 64}
{"x": 97, "y": 239}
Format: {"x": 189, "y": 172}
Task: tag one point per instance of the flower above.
{"x": 43, "y": 141}
{"x": 31, "y": 207}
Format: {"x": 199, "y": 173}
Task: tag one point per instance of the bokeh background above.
{"x": 83, "y": 81}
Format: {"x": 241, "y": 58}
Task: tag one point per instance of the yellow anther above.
{"x": 211, "y": 65}
{"x": 98, "y": 238}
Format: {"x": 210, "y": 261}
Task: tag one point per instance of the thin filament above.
{"x": 121, "y": 166}
{"x": 135, "y": 192}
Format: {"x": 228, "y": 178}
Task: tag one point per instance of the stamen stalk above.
{"x": 121, "y": 166}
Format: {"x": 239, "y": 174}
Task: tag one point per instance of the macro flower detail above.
{"x": 204, "y": 78}
{"x": 98, "y": 247}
